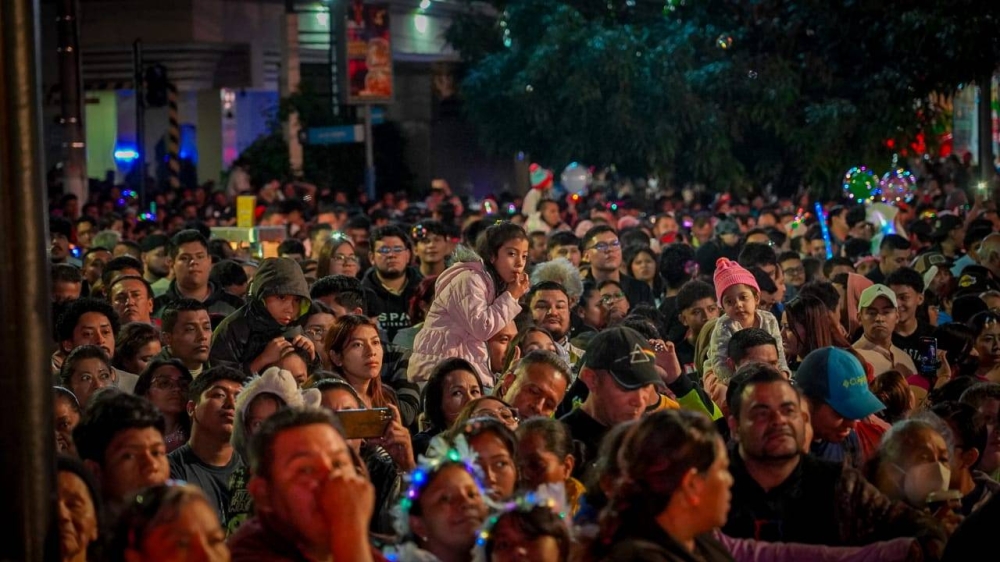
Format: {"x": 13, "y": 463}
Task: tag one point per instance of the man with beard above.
{"x": 878, "y": 319}
{"x": 550, "y": 306}
{"x": 781, "y": 494}
{"x": 391, "y": 279}
{"x": 207, "y": 459}
{"x": 157, "y": 262}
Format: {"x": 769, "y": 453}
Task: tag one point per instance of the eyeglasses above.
{"x": 608, "y": 300}
{"x": 505, "y": 414}
{"x": 793, "y": 271}
{"x": 316, "y": 332}
{"x": 164, "y": 383}
{"x": 386, "y": 250}
{"x": 607, "y": 246}
{"x": 345, "y": 259}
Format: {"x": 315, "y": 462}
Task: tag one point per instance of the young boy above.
{"x": 262, "y": 331}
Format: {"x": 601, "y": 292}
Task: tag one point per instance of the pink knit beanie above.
{"x": 729, "y": 273}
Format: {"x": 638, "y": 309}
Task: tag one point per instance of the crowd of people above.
{"x": 557, "y": 377}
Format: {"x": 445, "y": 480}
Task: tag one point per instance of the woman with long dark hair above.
{"x": 354, "y": 348}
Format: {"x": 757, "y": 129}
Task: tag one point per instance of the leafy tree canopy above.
{"x": 735, "y": 94}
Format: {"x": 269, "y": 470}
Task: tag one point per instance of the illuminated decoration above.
{"x": 860, "y": 184}
{"x": 424, "y": 4}
{"x": 724, "y": 42}
{"x": 800, "y": 217}
{"x": 821, "y": 215}
{"x": 897, "y": 186}
{"x": 551, "y": 496}
{"x": 125, "y": 154}
{"x": 576, "y": 178}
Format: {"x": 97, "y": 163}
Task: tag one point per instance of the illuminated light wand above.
{"x": 821, "y": 215}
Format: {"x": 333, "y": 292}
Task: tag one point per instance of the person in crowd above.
{"x": 187, "y": 333}
{"x": 337, "y": 257}
{"x": 893, "y": 253}
{"x": 913, "y": 465}
{"x": 602, "y": 250}
{"x": 474, "y": 301}
{"x": 171, "y": 521}
{"x": 191, "y": 263}
{"x": 530, "y": 531}
{"x": 833, "y": 381}
{"x": 231, "y": 277}
{"x": 908, "y": 286}
{"x": 136, "y": 344}
{"x": 986, "y": 326}
{"x": 93, "y": 265}
{"x": 614, "y": 303}
{"x": 343, "y": 295}
{"x": 549, "y": 304}
{"x": 958, "y": 341}
{"x": 310, "y": 501}
{"x": 90, "y": 322}
{"x": 420, "y": 303}
{"x": 66, "y": 415}
{"x": 696, "y": 306}
{"x": 877, "y": 306}
{"x": 738, "y": 294}
{"x": 80, "y": 512}
{"x": 724, "y": 244}
{"x": 835, "y": 505}
{"x": 85, "y": 371}
{"x": 895, "y": 393}
{"x": 120, "y": 440}
{"x": 444, "y": 505}
{"x": 639, "y": 263}
{"x": 563, "y": 244}
{"x": 791, "y": 267}
{"x": 490, "y": 407}
{"x": 499, "y": 348}
{"x": 165, "y": 383}
{"x": 985, "y": 398}
{"x": 391, "y": 279}
{"x": 132, "y": 298}
{"x": 355, "y": 352}
{"x": 620, "y": 374}
{"x": 545, "y": 456}
{"x": 156, "y": 262}
{"x": 67, "y": 283}
{"x": 537, "y": 385}
{"x": 495, "y": 447}
{"x": 806, "y": 327}
{"x": 433, "y": 247}
{"x": 762, "y": 256}
{"x": 260, "y": 399}
{"x": 208, "y": 458}
{"x": 453, "y": 384}
{"x": 752, "y": 345}
{"x": 317, "y": 322}
{"x": 675, "y": 491}
{"x": 60, "y": 232}
{"x": 967, "y": 445}
{"x": 267, "y": 327}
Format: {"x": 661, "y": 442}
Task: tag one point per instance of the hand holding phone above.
{"x": 365, "y": 423}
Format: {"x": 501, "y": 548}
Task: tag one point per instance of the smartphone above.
{"x": 927, "y": 362}
{"x": 365, "y": 424}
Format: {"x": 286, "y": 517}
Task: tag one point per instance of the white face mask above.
{"x": 923, "y": 479}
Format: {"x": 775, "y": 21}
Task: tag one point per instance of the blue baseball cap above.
{"x": 837, "y": 378}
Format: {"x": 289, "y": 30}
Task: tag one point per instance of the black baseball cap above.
{"x": 625, "y": 354}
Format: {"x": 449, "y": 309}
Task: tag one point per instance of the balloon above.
{"x": 860, "y": 184}
{"x": 897, "y": 185}
{"x": 576, "y": 178}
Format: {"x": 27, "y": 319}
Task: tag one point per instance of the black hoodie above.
{"x": 393, "y": 309}
{"x": 244, "y": 334}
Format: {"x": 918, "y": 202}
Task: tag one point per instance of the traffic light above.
{"x": 156, "y": 85}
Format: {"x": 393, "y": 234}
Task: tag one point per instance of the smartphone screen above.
{"x": 928, "y": 361}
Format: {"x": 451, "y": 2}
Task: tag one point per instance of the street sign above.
{"x": 343, "y": 134}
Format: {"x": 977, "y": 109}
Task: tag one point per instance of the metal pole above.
{"x": 986, "y": 170}
{"x": 27, "y": 473}
{"x": 369, "y": 154}
{"x": 71, "y": 90}
{"x": 139, "y": 167}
